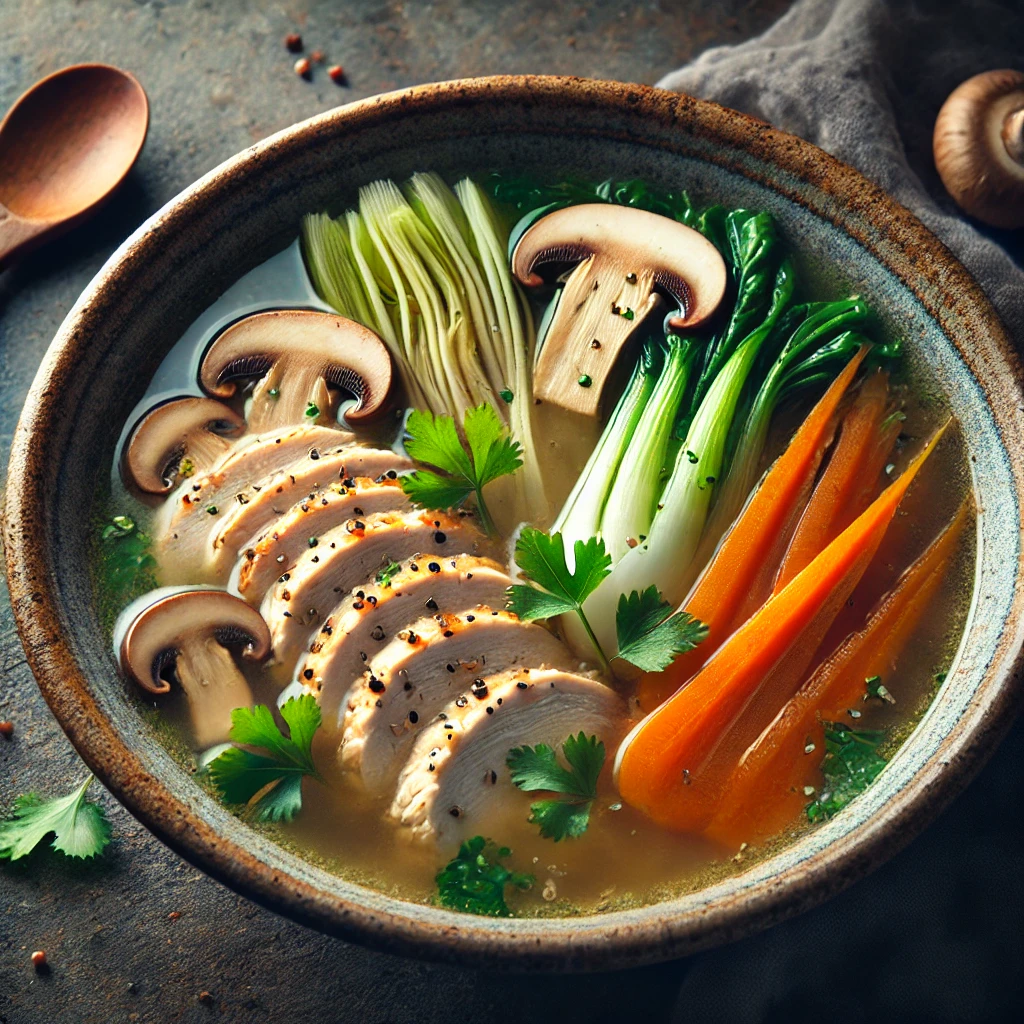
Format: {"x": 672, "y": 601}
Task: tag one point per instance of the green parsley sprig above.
{"x": 269, "y": 783}
{"x": 79, "y": 826}
{"x": 434, "y": 441}
{"x": 649, "y": 635}
{"x": 851, "y": 763}
{"x": 475, "y": 880}
{"x": 537, "y": 768}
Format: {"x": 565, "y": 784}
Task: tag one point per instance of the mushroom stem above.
{"x": 1013, "y": 135}
{"x": 606, "y": 302}
{"x": 214, "y": 687}
{"x": 280, "y": 398}
{"x": 208, "y": 448}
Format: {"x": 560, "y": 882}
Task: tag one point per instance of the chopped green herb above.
{"x": 506, "y": 396}
{"x": 851, "y": 763}
{"x": 312, "y": 410}
{"x": 384, "y": 576}
{"x": 474, "y": 880}
{"x": 119, "y": 526}
{"x": 584, "y": 380}
{"x": 434, "y": 440}
{"x": 212, "y": 509}
{"x": 79, "y": 827}
{"x": 312, "y": 542}
{"x": 628, "y": 314}
{"x": 274, "y": 393}
{"x": 537, "y": 768}
{"x": 127, "y": 566}
{"x": 186, "y": 467}
{"x": 874, "y": 687}
{"x": 271, "y": 783}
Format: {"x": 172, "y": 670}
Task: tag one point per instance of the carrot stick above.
{"x": 766, "y": 791}
{"x": 739, "y": 577}
{"x": 850, "y": 481}
{"x": 674, "y": 764}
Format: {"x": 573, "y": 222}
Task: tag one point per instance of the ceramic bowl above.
{"x": 249, "y": 208}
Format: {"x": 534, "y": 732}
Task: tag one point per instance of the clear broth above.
{"x": 623, "y": 859}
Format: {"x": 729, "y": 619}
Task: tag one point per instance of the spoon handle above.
{"x": 16, "y": 232}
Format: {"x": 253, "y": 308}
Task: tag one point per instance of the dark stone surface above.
{"x": 933, "y": 936}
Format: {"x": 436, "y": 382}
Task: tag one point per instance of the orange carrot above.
{"x": 766, "y": 791}
{"x": 739, "y": 576}
{"x": 850, "y": 481}
{"x": 674, "y": 764}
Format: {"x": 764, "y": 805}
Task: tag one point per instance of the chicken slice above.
{"x": 368, "y": 618}
{"x": 278, "y": 548}
{"x": 457, "y": 762}
{"x": 347, "y": 556}
{"x": 408, "y": 683}
{"x": 183, "y": 523}
{"x": 256, "y": 508}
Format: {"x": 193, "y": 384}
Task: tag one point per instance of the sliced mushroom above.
{"x": 189, "y": 632}
{"x": 179, "y": 438}
{"x": 614, "y": 260}
{"x": 299, "y": 354}
{"x": 979, "y": 147}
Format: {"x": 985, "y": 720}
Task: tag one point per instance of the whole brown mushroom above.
{"x": 188, "y": 633}
{"x": 979, "y": 147}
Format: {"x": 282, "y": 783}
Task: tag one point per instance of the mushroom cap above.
{"x": 159, "y": 632}
{"x": 341, "y": 351}
{"x": 979, "y": 147}
{"x": 165, "y": 431}
{"x": 684, "y": 263}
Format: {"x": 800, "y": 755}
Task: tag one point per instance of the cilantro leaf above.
{"x": 474, "y": 880}
{"x": 80, "y": 827}
{"x": 649, "y": 636}
{"x": 851, "y": 763}
{"x": 271, "y": 783}
{"x": 537, "y": 768}
{"x": 494, "y": 452}
{"x": 541, "y": 559}
{"x": 560, "y": 819}
{"x": 434, "y": 440}
{"x": 430, "y": 490}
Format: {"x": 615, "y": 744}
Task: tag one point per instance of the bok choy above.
{"x": 424, "y": 267}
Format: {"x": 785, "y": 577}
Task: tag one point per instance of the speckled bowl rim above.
{"x": 618, "y": 939}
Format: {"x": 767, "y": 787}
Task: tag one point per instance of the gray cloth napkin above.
{"x": 864, "y": 80}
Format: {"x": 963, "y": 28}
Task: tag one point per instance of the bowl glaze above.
{"x": 183, "y": 257}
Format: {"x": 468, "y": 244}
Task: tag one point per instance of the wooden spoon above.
{"x": 65, "y": 145}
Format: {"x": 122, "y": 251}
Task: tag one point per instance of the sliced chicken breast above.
{"x": 346, "y": 557}
{"x": 423, "y": 668}
{"x": 184, "y": 521}
{"x": 255, "y": 509}
{"x": 368, "y": 619}
{"x": 278, "y": 548}
{"x": 457, "y": 763}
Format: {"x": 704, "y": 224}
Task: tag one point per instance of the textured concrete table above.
{"x": 139, "y": 936}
